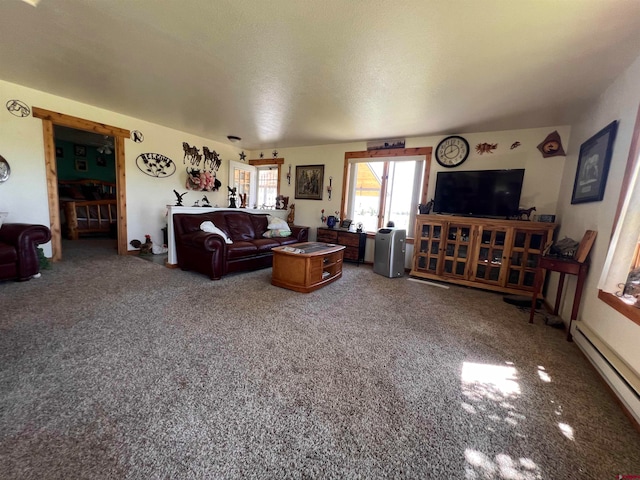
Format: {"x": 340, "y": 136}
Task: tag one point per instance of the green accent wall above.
{"x": 67, "y": 163}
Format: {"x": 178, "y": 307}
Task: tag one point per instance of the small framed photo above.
{"x": 81, "y": 165}
{"x": 80, "y": 150}
{"x": 593, "y": 166}
{"x": 309, "y": 181}
{"x": 346, "y": 223}
{"x": 101, "y": 161}
{"x": 59, "y": 152}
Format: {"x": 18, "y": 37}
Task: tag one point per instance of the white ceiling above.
{"x": 282, "y": 73}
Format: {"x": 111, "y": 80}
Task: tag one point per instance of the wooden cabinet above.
{"x": 500, "y": 255}
{"x": 354, "y": 242}
{"x": 307, "y": 266}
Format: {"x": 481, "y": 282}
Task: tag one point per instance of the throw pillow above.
{"x": 209, "y": 227}
{"x": 276, "y": 223}
{"x": 276, "y": 233}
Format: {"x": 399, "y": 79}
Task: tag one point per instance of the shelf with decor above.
{"x": 492, "y": 254}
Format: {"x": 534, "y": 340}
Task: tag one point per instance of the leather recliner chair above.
{"x": 18, "y": 250}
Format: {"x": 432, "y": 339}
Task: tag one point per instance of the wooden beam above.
{"x": 266, "y": 161}
{"x": 79, "y": 123}
{"x": 52, "y": 190}
{"x": 121, "y": 195}
{"x": 392, "y": 152}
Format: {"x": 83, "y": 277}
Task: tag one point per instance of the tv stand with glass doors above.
{"x": 487, "y": 253}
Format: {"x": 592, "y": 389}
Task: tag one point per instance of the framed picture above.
{"x": 59, "y": 152}
{"x": 593, "y": 165}
{"x": 101, "y": 161}
{"x": 81, "y": 165}
{"x": 309, "y": 181}
{"x": 80, "y": 150}
{"x": 346, "y": 223}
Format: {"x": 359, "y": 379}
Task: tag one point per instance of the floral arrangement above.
{"x": 202, "y": 180}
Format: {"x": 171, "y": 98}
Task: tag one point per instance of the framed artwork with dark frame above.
{"x": 309, "y": 181}
{"x": 593, "y": 165}
{"x": 82, "y": 165}
{"x": 80, "y": 150}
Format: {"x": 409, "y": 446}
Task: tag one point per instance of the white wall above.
{"x": 618, "y": 102}
{"x": 24, "y": 195}
{"x": 541, "y": 181}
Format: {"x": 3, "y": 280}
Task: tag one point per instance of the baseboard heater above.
{"x": 624, "y": 382}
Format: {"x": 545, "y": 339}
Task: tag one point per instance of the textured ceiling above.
{"x": 288, "y": 73}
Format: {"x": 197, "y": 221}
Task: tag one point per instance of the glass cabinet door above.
{"x": 525, "y": 254}
{"x": 428, "y": 246}
{"x": 456, "y": 250}
{"x": 490, "y": 255}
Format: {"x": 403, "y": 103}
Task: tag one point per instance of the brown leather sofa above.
{"x": 18, "y": 250}
{"x": 208, "y": 253}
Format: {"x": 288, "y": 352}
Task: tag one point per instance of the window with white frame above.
{"x": 267, "y": 186}
{"x": 383, "y": 190}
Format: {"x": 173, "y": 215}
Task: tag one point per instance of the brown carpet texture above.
{"x": 114, "y": 367}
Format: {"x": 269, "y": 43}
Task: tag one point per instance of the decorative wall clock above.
{"x": 452, "y": 151}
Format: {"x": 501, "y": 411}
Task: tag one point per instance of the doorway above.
{"x": 87, "y": 193}
{"x": 50, "y": 120}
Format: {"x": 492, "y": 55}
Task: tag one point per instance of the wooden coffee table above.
{"x": 305, "y": 267}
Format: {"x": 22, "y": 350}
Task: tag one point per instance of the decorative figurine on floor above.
{"x": 232, "y": 197}
{"x": 146, "y": 247}
{"x": 205, "y": 202}
{"x": 292, "y": 214}
{"x": 179, "y": 198}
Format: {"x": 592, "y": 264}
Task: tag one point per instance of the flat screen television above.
{"x": 481, "y": 193}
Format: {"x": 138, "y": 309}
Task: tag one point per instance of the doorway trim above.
{"x": 49, "y": 119}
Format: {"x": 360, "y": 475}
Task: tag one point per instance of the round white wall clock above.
{"x": 452, "y": 151}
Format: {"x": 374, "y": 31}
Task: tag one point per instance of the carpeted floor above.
{"x": 115, "y": 367}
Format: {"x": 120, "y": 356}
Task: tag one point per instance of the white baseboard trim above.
{"x": 624, "y": 382}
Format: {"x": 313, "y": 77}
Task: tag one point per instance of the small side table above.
{"x": 563, "y": 266}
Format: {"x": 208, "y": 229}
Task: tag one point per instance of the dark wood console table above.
{"x": 354, "y": 242}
